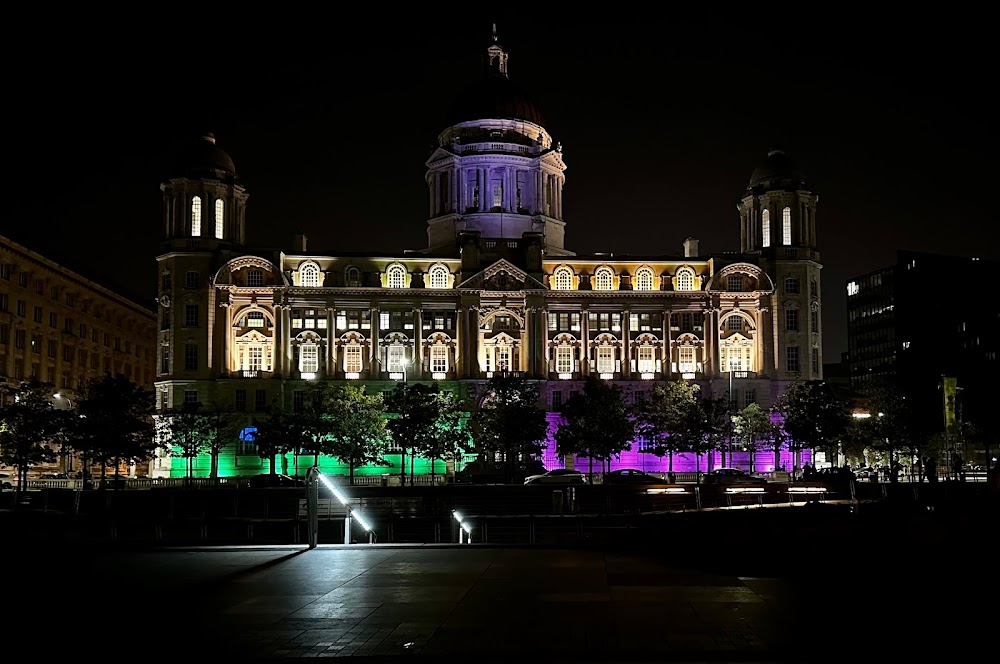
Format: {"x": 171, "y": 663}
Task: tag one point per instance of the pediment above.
{"x": 501, "y": 276}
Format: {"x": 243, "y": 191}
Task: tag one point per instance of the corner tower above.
{"x": 204, "y": 224}
{"x": 496, "y": 170}
{"x": 778, "y": 222}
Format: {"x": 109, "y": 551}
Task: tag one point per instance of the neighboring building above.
{"x": 64, "y": 329}
{"x": 914, "y": 323}
{"x": 497, "y": 290}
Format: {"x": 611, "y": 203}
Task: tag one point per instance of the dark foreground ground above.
{"x": 800, "y": 584}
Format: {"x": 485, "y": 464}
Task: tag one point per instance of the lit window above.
{"x": 605, "y": 359}
{"x": 644, "y": 279}
{"x": 439, "y": 276}
{"x": 564, "y": 359}
{"x": 686, "y": 359}
{"x": 352, "y": 277}
{"x": 685, "y": 280}
{"x": 219, "y": 217}
{"x": 563, "y": 279}
{"x": 196, "y": 216}
{"x": 396, "y": 277}
{"x": 439, "y": 358}
{"x": 765, "y": 228}
{"x": 309, "y": 275}
{"x": 604, "y": 279}
{"x": 396, "y": 355}
{"x": 352, "y": 358}
{"x": 254, "y": 319}
{"x": 852, "y": 288}
{"x": 786, "y": 226}
{"x": 647, "y": 359}
{"x": 309, "y": 358}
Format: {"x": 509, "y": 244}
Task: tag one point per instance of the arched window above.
{"x": 563, "y": 279}
{"x": 604, "y": 278}
{"x": 220, "y": 217}
{"x": 439, "y": 277}
{"x": 685, "y": 280}
{"x": 196, "y": 216}
{"x": 644, "y": 279}
{"x": 786, "y": 226}
{"x": 254, "y": 319}
{"x": 395, "y": 355}
{"x": 765, "y": 228}
{"x": 395, "y": 277}
{"x": 309, "y": 275}
{"x": 439, "y": 358}
{"x": 646, "y": 359}
{"x": 352, "y": 277}
{"x": 606, "y": 356}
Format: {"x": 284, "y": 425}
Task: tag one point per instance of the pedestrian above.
{"x": 930, "y": 464}
{"x": 956, "y": 466}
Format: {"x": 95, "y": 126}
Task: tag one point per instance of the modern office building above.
{"x": 919, "y": 321}
{"x": 497, "y": 289}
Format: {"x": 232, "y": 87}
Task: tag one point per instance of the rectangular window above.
{"x": 5, "y": 270}
{"x": 241, "y": 400}
{"x": 191, "y": 280}
{"x": 52, "y": 347}
{"x": 647, "y": 359}
{"x": 791, "y": 285}
{"x": 813, "y": 288}
{"x": 38, "y": 314}
{"x": 791, "y": 320}
{"x": 439, "y": 358}
{"x": 352, "y": 359}
{"x": 605, "y": 359}
{"x": 341, "y": 320}
{"x": 734, "y": 283}
{"x": 686, "y": 362}
{"x": 383, "y": 320}
{"x": 19, "y": 338}
{"x": 4, "y": 303}
{"x": 815, "y": 360}
{"x": 814, "y": 320}
{"x": 190, "y": 396}
{"x": 165, "y": 360}
{"x": 734, "y": 323}
{"x": 36, "y": 343}
{"x": 574, "y": 322}
{"x": 396, "y": 356}
{"x": 564, "y": 359}
{"x": 309, "y": 358}
{"x": 553, "y": 322}
{"x": 556, "y": 399}
{"x": 792, "y": 358}
{"x": 255, "y": 278}
{"x": 260, "y": 400}
{"x": 298, "y": 401}
{"x": 749, "y": 397}
{"x": 190, "y": 315}
{"x": 4, "y": 337}
{"x": 53, "y": 320}
{"x": 18, "y": 369}
{"x": 21, "y": 308}
{"x": 190, "y": 357}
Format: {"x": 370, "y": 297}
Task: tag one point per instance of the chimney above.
{"x": 299, "y": 243}
{"x": 690, "y": 247}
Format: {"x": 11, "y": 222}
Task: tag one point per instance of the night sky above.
{"x": 661, "y": 123}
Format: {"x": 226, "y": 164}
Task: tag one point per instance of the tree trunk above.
{"x": 402, "y": 466}
{"x": 432, "y": 470}
{"x": 590, "y": 473}
{"x": 670, "y": 455}
{"x": 214, "y": 471}
{"x": 412, "y": 459}
{"x": 350, "y": 470}
{"x": 753, "y": 464}
{"x": 316, "y": 460}
{"x": 697, "y": 468}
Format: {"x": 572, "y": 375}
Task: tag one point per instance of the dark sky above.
{"x": 661, "y": 124}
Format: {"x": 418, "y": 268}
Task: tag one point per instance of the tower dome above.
{"x": 493, "y": 96}
{"x": 777, "y": 173}
{"x": 202, "y": 157}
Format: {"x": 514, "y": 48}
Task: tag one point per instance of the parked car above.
{"x": 54, "y": 476}
{"x": 557, "y": 476}
{"x": 731, "y": 476}
{"x": 269, "y": 481}
{"x": 632, "y": 476}
{"x": 866, "y": 473}
{"x": 6, "y": 481}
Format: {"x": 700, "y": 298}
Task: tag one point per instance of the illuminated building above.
{"x": 496, "y": 289}
{"x": 62, "y": 328}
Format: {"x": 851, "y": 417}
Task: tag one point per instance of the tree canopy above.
{"x": 598, "y": 423}
{"x": 508, "y": 424}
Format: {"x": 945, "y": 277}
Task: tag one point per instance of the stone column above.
{"x": 418, "y": 341}
{"x": 666, "y": 351}
{"x": 331, "y": 334}
{"x": 276, "y": 334}
{"x": 585, "y": 332}
{"x": 627, "y": 344}
{"x": 373, "y": 350}
{"x": 286, "y": 341}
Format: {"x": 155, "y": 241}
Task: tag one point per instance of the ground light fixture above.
{"x": 464, "y": 529}
{"x": 351, "y": 512}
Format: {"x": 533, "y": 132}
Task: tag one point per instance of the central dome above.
{"x": 201, "y": 157}
{"x": 494, "y": 97}
{"x": 778, "y": 172}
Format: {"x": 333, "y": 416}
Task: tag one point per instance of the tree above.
{"x": 116, "y": 418}
{"x": 29, "y": 425}
{"x": 700, "y": 426}
{"x": 352, "y": 425}
{"x": 598, "y": 423}
{"x": 449, "y": 436}
{"x": 279, "y": 432}
{"x": 775, "y": 439}
{"x": 814, "y": 417}
{"x": 508, "y": 423}
{"x": 185, "y": 431}
{"x": 890, "y": 429}
{"x": 662, "y": 416}
{"x": 415, "y": 408}
{"x": 222, "y": 426}
{"x": 752, "y": 425}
